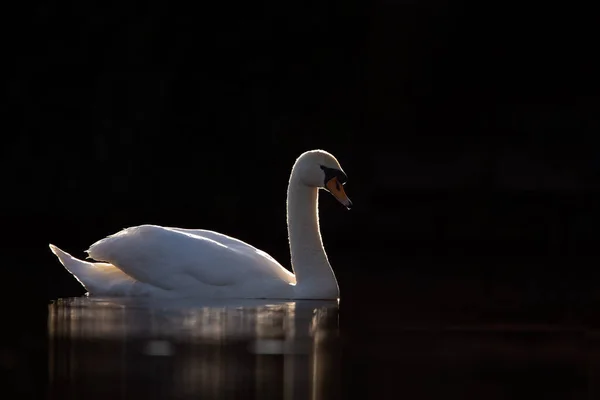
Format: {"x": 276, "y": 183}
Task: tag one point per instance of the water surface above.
{"x": 418, "y": 342}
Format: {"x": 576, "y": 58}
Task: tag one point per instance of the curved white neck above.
{"x": 314, "y": 276}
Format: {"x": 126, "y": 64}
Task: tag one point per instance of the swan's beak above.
{"x": 337, "y": 190}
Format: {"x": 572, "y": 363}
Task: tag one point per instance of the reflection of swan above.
{"x": 273, "y": 348}
{"x": 150, "y": 260}
{"x": 112, "y": 318}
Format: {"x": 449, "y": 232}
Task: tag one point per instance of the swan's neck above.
{"x": 314, "y": 276}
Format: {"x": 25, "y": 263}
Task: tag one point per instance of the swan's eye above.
{"x": 331, "y": 173}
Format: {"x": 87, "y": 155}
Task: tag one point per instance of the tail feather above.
{"x": 96, "y": 278}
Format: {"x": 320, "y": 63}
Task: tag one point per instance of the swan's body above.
{"x": 156, "y": 261}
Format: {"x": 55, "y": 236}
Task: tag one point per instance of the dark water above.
{"x": 502, "y": 336}
{"x": 132, "y": 349}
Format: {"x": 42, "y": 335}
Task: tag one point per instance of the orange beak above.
{"x": 337, "y": 190}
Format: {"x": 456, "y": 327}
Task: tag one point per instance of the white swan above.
{"x": 150, "y": 260}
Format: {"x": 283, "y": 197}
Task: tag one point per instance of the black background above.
{"x": 469, "y": 134}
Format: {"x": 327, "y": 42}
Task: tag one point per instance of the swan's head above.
{"x": 320, "y": 169}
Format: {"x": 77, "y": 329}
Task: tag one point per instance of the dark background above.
{"x": 469, "y": 134}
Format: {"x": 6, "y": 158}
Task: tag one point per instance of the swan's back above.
{"x": 173, "y": 258}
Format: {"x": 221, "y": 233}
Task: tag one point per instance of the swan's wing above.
{"x": 241, "y": 246}
{"x": 229, "y": 242}
{"x": 170, "y": 258}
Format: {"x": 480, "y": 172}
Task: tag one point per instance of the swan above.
{"x": 156, "y": 261}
